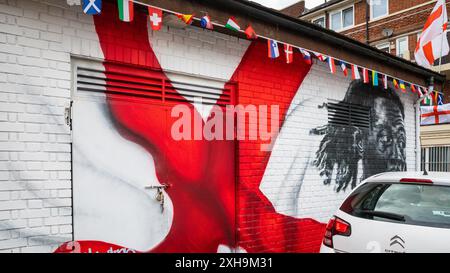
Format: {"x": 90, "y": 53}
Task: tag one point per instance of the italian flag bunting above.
{"x": 126, "y": 10}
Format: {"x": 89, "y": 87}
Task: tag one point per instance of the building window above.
{"x": 379, "y": 8}
{"x": 342, "y": 19}
{"x": 402, "y": 47}
{"x": 435, "y": 159}
{"x": 319, "y": 21}
{"x": 386, "y": 47}
{"x": 347, "y": 17}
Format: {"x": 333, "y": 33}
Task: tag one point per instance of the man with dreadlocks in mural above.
{"x": 381, "y": 147}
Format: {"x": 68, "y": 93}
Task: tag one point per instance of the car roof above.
{"x": 441, "y": 178}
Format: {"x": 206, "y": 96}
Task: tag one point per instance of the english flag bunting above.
{"x": 155, "y": 17}
{"x": 306, "y": 56}
{"x": 186, "y": 18}
{"x": 250, "y": 33}
{"x": 344, "y": 68}
{"x": 365, "y": 75}
{"x": 437, "y": 114}
{"x": 289, "y": 53}
{"x": 272, "y": 47}
{"x": 433, "y": 43}
{"x": 126, "y": 10}
{"x": 205, "y": 22}
{"x": 92, "y": 7}
{"x": 355, "y": 72}
{"x": 231, "y": 24}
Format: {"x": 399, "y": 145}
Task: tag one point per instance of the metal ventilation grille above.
{"x": 141, "y": 82}
{"x": 347, "y": 114}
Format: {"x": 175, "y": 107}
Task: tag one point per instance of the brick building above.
{"x": 391, "y": 26}
{"x": 86, "y": 119}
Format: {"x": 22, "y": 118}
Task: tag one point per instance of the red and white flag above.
{"x": 332, "y": 65}
{"x": 437, "y": 114}
{"x": 385, "y": 82}
{"x": 344, "y": 68}
{"x": 320, "y": 56}
{"x": 289, "y": 53}
{"x": 419, "y": 89}
{"x": 433, "y": 43}
{"x": 155, "y": 16}
{"x": 355, "y": 72}
{"x": 366, "y": 75}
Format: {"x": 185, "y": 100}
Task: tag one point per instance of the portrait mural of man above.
{"x": 381, "y": 147}
{"x": 331, "y": 158}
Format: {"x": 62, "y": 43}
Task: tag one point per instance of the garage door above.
{"x": 121, "y": 122}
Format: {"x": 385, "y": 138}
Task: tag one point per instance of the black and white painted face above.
{"x": 386, "y": 141}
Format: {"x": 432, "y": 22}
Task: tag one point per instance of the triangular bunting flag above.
{"x": 186, "y": 18}
{"x": 306, "y": 56}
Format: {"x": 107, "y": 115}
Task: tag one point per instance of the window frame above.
{"x": 397, "y": 42}
{"x": 318, "y": 18}
{"x": 340, "y": 11}
{"x": 384, "y": 45}
{"x": 381, "y": 16}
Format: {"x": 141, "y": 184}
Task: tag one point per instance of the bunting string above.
{"x": 369, "y": 75}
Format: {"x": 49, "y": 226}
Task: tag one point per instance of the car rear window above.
{"x": 427, "y": 205}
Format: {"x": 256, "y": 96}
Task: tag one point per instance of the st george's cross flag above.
{"x": 126, "y": 10}
{"x": 289, "y": 53}
{"x": 355, "y": 72}
{"x": 437, "y": 114}
{"x": 92, "y": 7}
{"x": 433, "y": 42}
{"x": 155, "y": 16}
{"x": 272, "y": 48}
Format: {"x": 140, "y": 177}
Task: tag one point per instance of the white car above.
{"x": 393, "y": 213}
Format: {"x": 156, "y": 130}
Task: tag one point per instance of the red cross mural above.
{"x": 437, "y": 114}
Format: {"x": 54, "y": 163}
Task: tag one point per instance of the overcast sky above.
{"x": 278, "y": 4}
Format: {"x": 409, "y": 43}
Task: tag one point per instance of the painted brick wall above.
{"x": 36, "y": 42}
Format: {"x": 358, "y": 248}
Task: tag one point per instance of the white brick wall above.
{"x": 36, "y": 43}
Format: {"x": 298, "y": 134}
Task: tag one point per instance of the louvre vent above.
{"x": 346, "y": 114}
{"x": 142, "y": 82}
